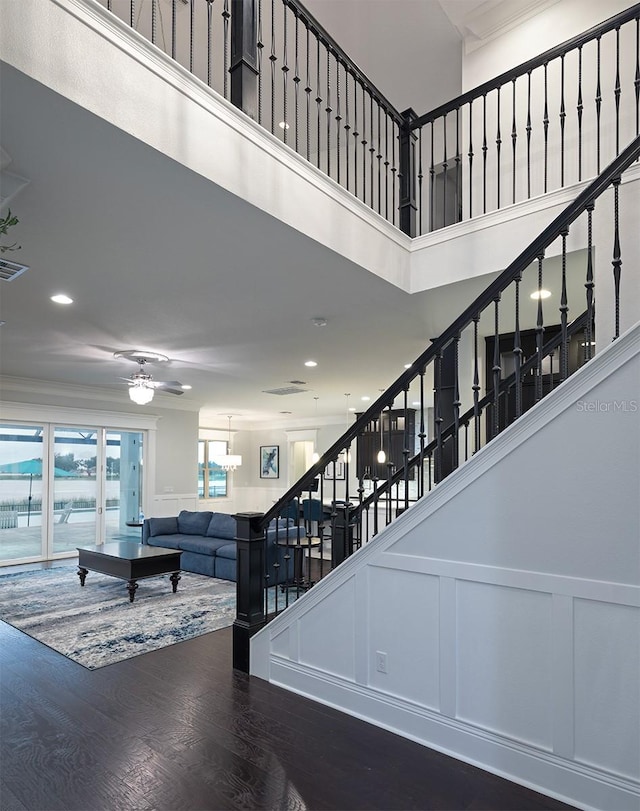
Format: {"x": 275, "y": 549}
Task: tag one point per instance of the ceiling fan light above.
{"x": 140, "y": 393}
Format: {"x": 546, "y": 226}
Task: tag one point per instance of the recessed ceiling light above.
{"x": 186, "y": 387}
{"x": 61, "y": 298}
{"x": 540, "y": 294}
{"x": 284, "y": 126}
{"x": 365, "y": 399}
{"x": 319, "y": 322}
{"x": 352, "y": 408}
{"x": 310, "y": 363}
{"x": 416, "y": 402}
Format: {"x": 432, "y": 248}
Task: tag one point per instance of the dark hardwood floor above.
{"x": 180, "y": 729}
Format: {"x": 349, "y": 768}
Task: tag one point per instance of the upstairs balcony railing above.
{"x": 531, "y": 328}
{"x": 551, "y": 122}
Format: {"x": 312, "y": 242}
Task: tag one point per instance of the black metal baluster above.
{"x": 132, "y": 13}
{"x": 372, "y": 148}
{"x": 484, "y": 153}
{"x": 466, "y": 441}
{"x": 617, "y": 90}
{"x": 364, "y": 146}
{"x": 347, "y": 126}
{"x": 225, "y": 44}
{"x": 564, "y": 308}
{"x": 260, "y": 48}
{"x": 471, "y": 159}
{"x": 437, "y": 415}
{"x": 355, "y": 136}
{"x": 379, "y": 158}
{"x": 432, "y": 187}
{"x": 285, "y": 73}
{"x": 589, "y": 285}
{"x": 579, "y": 108}
{"x": 636, "y": 83}
{"x": 421, "y": 436}
{"x": 444, "y": 170}
{"x": 551, "y": 372}
{"x": 598, "y": 106}
{"x": 545, "y": 126}
{"x": 272, "y": 59}
{"x": 394, "y": 170}
{"x": 514, "y": 138}
{"x": 563, "y": 115}
{"x": 390, "y": 464}
{"x": 386, "y": 165}
{"x": 528, "y": 129}
{"x": 539, "y": 333}
{"x": 338, "y": 120}
{"x": 296, "y": 82}
{"x": 209, "y": 33}
{"x": 456, "y": 403}
{"x": 517, "y": 350}
{"x": 496, "y": 368}
{"x": 405, "y": 449}
{"x": 458, "y": 201}
{"x": 153, "y": 24}
{"x": 476, "y": 386}
{"x": 173, "y": 29}
{"x": 307, "y": 91}
{"x": 498, "y": 146}
{"x": 420, "y": 179}
{"x": 318, "y": 102}
{"x": 617, "y": 256}
{"x": 328, "y": 110}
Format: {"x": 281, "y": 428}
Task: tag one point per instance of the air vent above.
{"x": 9, "y": 270}
{"x": 284, "y": 390}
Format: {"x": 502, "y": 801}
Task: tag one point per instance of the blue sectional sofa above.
{"x": 207, "y": 542}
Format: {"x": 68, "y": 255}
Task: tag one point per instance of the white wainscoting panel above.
{"x": 172, "y": 503}
{"x": 408, "y": 600}
{"x": 607, "y": 685}
{"x": 334, "y": 652}
{"x": 504, "y": 655}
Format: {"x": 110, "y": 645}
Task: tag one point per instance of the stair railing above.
{"x": 526, "y": 132}
{"x": 507, "y": 350}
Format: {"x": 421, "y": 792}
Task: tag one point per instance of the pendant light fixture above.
{"x": 229, "y": 461}
{"x": 315, "y": 456}
{"x": 382, "y": 456}
{"x": 345, "y": 452}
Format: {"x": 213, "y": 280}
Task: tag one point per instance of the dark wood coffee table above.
{"x": 130, "y": 562}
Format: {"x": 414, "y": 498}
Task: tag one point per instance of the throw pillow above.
{"x": 163, "y": 526}
{"x": 193, "y": 523}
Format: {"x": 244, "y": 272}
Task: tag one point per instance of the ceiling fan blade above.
{"x": 162, "y": 384}
{"x": 169, "y": 386}
{"x": 170, "y": 391}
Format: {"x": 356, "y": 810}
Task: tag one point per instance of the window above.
{"x": 212, "y": 479}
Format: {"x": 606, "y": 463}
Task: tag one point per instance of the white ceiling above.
{"x": 158, "y": 258}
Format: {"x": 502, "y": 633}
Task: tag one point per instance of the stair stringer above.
{"x": 507, "y": 603}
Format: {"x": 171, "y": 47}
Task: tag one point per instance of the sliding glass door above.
{"x": 21, "y": 468}
{"x": 64, "y": 486}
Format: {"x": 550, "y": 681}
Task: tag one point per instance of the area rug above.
{"x": 97, "y": 625}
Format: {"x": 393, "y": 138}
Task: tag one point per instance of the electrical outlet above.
{"x": 381, "y": 661}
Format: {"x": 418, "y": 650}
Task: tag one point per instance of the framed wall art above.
{"x": 269, "y": 461}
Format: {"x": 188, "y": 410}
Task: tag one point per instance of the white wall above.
{"x": 507, "y": 603}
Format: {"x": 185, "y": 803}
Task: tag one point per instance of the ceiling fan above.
{"x": 142, "y": 386}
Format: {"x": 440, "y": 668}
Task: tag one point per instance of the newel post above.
{"x": 250, "y": 618}
{"x": 244, "y": 56}
{"x": 407, "y": 197}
